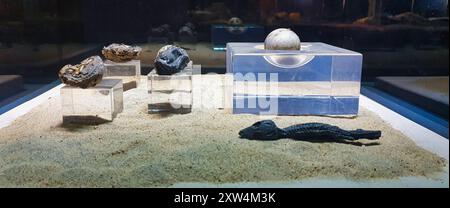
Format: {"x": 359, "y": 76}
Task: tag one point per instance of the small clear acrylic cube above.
{"x": 129, "y": 72}
{"x": 171, "y": 93}
{"x": 93, "y": 105}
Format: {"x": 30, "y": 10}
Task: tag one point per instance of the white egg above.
{"x": 282, "y": 39}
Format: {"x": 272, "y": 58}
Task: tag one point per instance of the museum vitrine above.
{"x": 148, "y": 93}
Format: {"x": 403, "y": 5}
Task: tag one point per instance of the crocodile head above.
{"x": 263, "y": 130}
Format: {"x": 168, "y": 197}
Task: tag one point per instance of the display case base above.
{"x": 10, "y": 85}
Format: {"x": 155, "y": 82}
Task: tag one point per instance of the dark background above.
{"x": 118, "y": 20}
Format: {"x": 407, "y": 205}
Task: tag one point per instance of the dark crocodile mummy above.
{"x": 268, "y": 130}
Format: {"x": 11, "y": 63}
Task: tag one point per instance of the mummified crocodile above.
{"x": 268, "y": 130}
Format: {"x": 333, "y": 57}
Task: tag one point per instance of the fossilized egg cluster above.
{"x": 282, "y": 39}
{"x": 171, "y": 60}
{"x": 121, "y": 53}
{"x": 86, "y": 74}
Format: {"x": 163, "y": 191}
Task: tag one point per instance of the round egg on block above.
{"x": 282, "y": 39}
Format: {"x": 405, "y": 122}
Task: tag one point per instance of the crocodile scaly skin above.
{"x": 267, "y": 130}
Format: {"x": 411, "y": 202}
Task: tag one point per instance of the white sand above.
{"x": 141, "y": 150}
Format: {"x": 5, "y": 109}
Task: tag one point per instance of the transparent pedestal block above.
{"x": 320, "y": 79}
{"x": 171, "y": 93}
{"x": 128, "y": 72}
{"x": 173, "y": 103}
{"x": 94, "y": 105}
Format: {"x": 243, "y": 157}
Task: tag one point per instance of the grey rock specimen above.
{"x": 84, "y": 75}
{"x": 315, "y": 132}
{"x": 171, "y": 60}
{"x": 121, "y": 53}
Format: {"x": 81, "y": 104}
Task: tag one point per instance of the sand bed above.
{"x": 141, "y": 150}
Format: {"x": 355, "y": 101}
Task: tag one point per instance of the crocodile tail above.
{"x": 362, "y": 134}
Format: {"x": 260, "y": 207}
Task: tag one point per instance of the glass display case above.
{"x": 360, "y": 99}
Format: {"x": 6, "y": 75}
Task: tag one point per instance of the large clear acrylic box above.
{"x": 319, "y": 79}
{"x": 172, "y": 93}
{"x": 129, "y": 72}
{"x": 93, "y": 105}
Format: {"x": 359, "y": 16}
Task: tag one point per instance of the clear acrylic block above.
{"x": 320, "y": 79}
{"x": 98, "y": 104}
{"x": 129, "y": 72}
{"x": 171, "y": 93}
